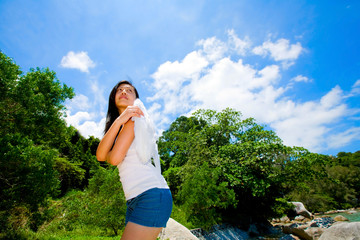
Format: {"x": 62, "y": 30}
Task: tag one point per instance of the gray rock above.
{"x": 301, "y": 210}
{"x": 340, "y": 218}
{"x": 176, "y": 231}
{"x": 288, "y": 237}
{"x": 324, "y": 222}
{"x": 315, "y": 232}
{"x": 297, "y": 232}
{"x": 223, "y": 231}
{"x": 285, "y": 219}
{"x": 342, "y": 231}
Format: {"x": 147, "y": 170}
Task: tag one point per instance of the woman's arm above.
{"x": 104, "y": 152}
{"x": 122, "y": 144}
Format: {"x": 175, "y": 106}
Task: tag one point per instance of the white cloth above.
{"x": 137, "y": 177}
{"x": 137, "y": 173}
{"x": 145, "y": 141}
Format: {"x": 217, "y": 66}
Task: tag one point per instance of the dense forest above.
{"x": 221, "y": 168}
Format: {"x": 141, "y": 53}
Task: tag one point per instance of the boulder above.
{"x": 324, "y": 222}
{"x": 298, "y": 232}
{"x": 285, "y": 219}
{"x": 176, "y": 231}
{"x": 342, "y": 231}
{"x": 340, "y": 218}
{"x": 315, "y": 232}
{"x": 301, "y": 210}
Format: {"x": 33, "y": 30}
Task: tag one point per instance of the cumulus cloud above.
{"x": 79, "y": 102}
{"x": 92, "y": 128}
{"x": 343, "y": 138}
{"x": 355, "y": 88}
{"x": 79, "y": 60}
{"x": 210, "y": 78}
{"x": 84, "y": 122}
{"x": 240, "y": 46}
{"x": 281, "y": 50}
{"x": 88, "y": 115}
{"x": 300, "y": 78}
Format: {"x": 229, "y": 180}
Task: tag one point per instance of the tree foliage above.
{"x": 325, "y": 182}
{"x": 101, "y": 205}
{"x": 39, "y": 152}
{"x": 222, "y": 167}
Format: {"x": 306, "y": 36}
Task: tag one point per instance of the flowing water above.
{"x": 355, "y": 217}
{"x": 226, "y": 232}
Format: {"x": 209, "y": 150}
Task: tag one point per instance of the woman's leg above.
{"x": 135, "y": 231}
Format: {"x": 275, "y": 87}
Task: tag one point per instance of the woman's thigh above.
{"x": 135, "y": 231}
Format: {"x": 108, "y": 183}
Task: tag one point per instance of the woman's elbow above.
{"x": 114, "y": 159}
{"x": 100, "y": 157}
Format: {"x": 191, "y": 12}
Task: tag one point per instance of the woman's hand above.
{"x": 130, "y": 111}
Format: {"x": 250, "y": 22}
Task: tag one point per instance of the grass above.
{"x": 59, "y": 227}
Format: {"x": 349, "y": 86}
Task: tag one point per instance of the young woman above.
{"x": 149, "y": 201}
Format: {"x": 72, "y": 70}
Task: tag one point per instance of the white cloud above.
{"x": 239, "y": 45}
{"x": 212, "y": 48}
{"x": 209, "y": 78}
{"x": 92, "y": 128}
{"x": 88, "y": 114}
{"x": 343, "y": 138}
{"x": 355, "y": 90}
{"x": 332, "y": 98}
{"x": 300, "y": 78}
{"x": 84, "y": 122}
{"x": 79, "y": 60}
{"x": 281, "y": 50}
{"x": 79, "y": 102}
{"x": 77, "y": 118}
{"x": 357, "y": 84}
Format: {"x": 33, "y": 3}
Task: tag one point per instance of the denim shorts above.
{"x": 151, "y": 208}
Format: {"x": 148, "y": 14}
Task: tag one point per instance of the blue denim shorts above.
{"x": 151, "y": 208}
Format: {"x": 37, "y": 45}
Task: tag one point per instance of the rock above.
{"x": 299, "y": 218}
{"x": 331, "y": 212}
{"x": 340, "y": 218}
{"x": 315, "y": 232}
{"x": 301, "y": 210}
{"x": 253, "y": 230}
{"x": 285, "y": 219}
{"x": 324, "y": 222}
{"x": 176, "y": 231}
{"x": 289, "y": 237}
{"x": 223, "y": 231}
{"x": 297, "y": 232}
{"x": 342, "y": 231}
{"x": 314, "y": 225}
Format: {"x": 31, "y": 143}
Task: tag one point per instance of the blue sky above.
{"x": 292, "y": 65}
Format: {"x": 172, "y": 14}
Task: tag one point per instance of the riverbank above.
{"x": 353, "y": 215}
{"x": 305, "y": 228}
{"x": 283, "y": 228}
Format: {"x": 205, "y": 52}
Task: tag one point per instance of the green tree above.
{"x": 31, "y": 128}
{"x": 223, "y": 168}
{"x": 101, "y": 205}
{"x": 27, "y": 178}
{"x": 323, "y": 182}
{"x": 108, "y": 205}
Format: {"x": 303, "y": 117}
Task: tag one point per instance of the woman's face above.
{"x": 125, "y": 96}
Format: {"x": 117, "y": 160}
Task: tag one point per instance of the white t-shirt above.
{"x": 137, "y": 177}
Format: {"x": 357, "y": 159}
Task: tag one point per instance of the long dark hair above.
{"x": 113, "y": 112}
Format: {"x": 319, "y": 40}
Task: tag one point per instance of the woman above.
{"x": 149, "y": 201}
